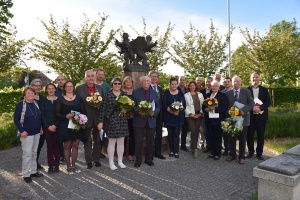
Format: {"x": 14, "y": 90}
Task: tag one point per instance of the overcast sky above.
{"x": 253, "y": 14}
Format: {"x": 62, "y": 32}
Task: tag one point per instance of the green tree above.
{"x": 5, "y": 16}
{"x": 159, "y": 56}
{"x": 275, "y": 55}
{"x": 11, "y": 53}
{"x": 198, "y": 54}
{"x": 72, "y": 53}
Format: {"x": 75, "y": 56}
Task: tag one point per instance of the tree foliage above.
{"x": 5, "y": 16}
{"x": 198, "y": 54}
{"x": 72, "y": 53}
{"x": 276, "y": 55}
{"x": 160, "y": 56}
{"x": 12, "y": 53}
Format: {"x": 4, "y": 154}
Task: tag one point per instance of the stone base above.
{"x": 276, "y": 186}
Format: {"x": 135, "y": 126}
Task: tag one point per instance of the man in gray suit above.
{"x": 92, "y": 146}
{"x": 241, "y": 95}
{"x": 144, "y": 124}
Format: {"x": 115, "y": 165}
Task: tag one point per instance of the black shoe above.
{"x": 50, "y": 170}
{"x": 97, "y": 164}
{"x": 176, "y": 155}
{"x": 56, "y": 169}
{"x": 160, "y": 156}
{"x": 150, "y": 163}
{"x": 210, "y": 156}
{"x": 102, "y": 155}
{"x": 89, "y": 165}
{"x": 27, "y": 179}
{"x": 38, "y": 166}
{"x": 250, "y": 155}
{"x": 260, "y": 157}
{"x": 225, "y": 153}
{"x": 171, "y": 154}
{"x": 206, "y": 151}
{"x": 216, "y": 158}
{"x": 37, "y": 174}
{"x": 137, "y": 165}
{"x": 183, "y": 148}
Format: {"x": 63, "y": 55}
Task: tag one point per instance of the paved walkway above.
{"x": 183, "y": 178}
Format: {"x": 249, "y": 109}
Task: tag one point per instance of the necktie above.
{"x": 236, "y": 95}
{"x": 155, "y": 88}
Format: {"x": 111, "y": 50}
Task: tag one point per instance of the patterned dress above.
{"x": 118, "y": 126}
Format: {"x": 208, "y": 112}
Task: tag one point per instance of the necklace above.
{"x": 34, "y": 110}
{"x": 70, "y": 97}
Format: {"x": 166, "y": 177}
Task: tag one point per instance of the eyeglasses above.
{"x": 117, "y": 83}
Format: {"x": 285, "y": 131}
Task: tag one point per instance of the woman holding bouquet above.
{"x": 214, "y": 123}
{"x": 194, "y": 114}
{"x": 66, "y": 107}
{"x": 128, "y": 88}
{"x": 117, "y": 127}
{"x": 173, "y": 115}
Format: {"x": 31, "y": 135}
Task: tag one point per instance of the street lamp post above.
{"x": 229, "y": 44}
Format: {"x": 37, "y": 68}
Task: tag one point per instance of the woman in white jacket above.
{"x": 194, "y": 114}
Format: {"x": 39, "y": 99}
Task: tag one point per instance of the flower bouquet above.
{"x": 80, "y": 121}
{"x": 176, "y": 106}
{"x": 211, "y": 102}
{"x": 234, "y": 124}
{"x": 145, "y": 108}
{"x": 126, "y": 103}
{"x": 94, "y": 99}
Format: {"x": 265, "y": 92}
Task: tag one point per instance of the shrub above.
{"x": 283, "y": 125}
{"x": 8, "y": 133}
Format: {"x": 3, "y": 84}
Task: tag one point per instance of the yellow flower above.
{"x": 130, "y": 103}
{"x": 209, "y": 103}
{"x": 216, "y": 101}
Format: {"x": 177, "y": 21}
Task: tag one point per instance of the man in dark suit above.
{"x": 241, "y": 95}
{"x": 144, "y": 124}
{"x": 92, "y": 147}
{"x": 214, "y": 124}
{"x": 258, "y": 117}
{"x": 159, "y": 120}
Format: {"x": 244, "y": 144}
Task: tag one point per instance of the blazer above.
{"x": 141, "y": 121}
{"x": 92, "y": 113}
{"x": 160, "y": 96}
{"x": 190, "y": 109}
{"x": 264, "y": 96}
{"x": 222, "y": 108}
{"x": 244, "y": 98}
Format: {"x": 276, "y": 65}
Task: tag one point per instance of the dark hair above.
{"x": 46, "y": 87}
{"x": 101, "y": 70}
{"x": 173, "y": 79}
{"x": 227, "y": 77}
{"x": 64, "y": 87}
{"x": 114, "y": 80}
{"x": 189, "y": 84}
{"x": 153, "y": 72}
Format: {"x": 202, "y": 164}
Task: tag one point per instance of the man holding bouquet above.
{"x": 92, "y": 146}
{"x": 242, "y": 96}
{"x": 144, "y": 120}
{"x": 258, "y": 116}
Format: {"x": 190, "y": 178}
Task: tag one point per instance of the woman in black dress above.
{"x": 65, "y": 108}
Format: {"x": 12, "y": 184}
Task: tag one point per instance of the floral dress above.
{"x": 118, "y": 126}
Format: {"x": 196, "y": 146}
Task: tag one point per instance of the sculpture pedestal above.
{"x": 135, "y": 72}
{"x": 279, "y": 177}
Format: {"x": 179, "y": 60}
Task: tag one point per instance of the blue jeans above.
{"x": 173, "y": 138}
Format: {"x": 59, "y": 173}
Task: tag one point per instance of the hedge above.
{"x": 285, "y": 95}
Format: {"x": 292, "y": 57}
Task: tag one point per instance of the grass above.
{"x": 280, "y": 145}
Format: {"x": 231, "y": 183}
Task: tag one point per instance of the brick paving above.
{"x": 183, "y": 178}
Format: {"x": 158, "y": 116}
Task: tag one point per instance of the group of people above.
{"x": 40, "y": 118}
